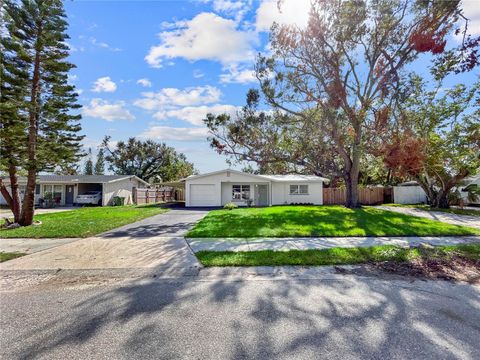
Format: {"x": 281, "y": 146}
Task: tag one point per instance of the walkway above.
{"x": 285, "y": 244}
{"x": 464, "y": 220}
{"x": 155, "y": 242}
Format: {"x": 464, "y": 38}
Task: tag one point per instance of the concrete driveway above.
{"x": 464, "y": 220}
{"x": 155, "y": 242}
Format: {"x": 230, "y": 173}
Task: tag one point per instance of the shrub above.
{"x": 230, "y": 206}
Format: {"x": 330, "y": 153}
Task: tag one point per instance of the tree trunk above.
{"x": 29, "y": 199}
{"x": 352, "y": 180}
{"x": 351, "y": 183}
{"x": 15, "y": 194}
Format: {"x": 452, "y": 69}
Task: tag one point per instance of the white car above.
{"x": 90, "y": 198}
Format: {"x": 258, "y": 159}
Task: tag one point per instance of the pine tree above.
{"x": 38, "y": 130}
{"x": 89, "y": 164}
{"x": 100, "y": 164}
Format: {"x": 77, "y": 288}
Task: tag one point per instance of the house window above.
{"x": 298, "y": 189}
{"x": 53, "y": 192}
{"x": 240, "y": 192}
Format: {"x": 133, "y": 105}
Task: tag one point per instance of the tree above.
{"x": 149, "y": 160}
{"x": 38, "y": 129}
{"x": 89, "y": 163}
{"x": 340, "y": 74}
{"x": 438, "y": 140}
{"x": 100, "y": 163}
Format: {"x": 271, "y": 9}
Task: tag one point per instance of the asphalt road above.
{"x": 246, "y": 317}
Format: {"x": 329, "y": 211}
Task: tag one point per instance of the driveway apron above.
{"x": 155, "y": 242}
{"x": 455, "y": 219}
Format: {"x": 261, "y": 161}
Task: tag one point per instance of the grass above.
{"x": 298, "y": 221}
{"x": 450, "y": 211}
{"x": 83, "y": 222}
{"x": 5, "y": 256}
{"x": 332, "y": 256}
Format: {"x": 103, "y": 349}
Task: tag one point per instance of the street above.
{"x": 219, "y": 315}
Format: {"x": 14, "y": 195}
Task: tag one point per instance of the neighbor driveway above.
{"x": 464, "y": 220}
{"x": 155, "y": 242}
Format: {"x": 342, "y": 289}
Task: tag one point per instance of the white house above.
{"x": 221, "y": 187}
{"x": 65, "y": 188}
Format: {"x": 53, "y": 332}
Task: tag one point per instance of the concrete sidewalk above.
{"x": 285, "y": 244}
{"x": 30, "y": 246}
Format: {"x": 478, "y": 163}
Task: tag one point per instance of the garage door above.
{"x": 202, "y": 195}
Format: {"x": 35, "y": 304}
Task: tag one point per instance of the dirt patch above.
{"x": 454, "y": 268}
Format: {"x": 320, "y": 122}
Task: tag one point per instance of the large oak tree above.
{"x": 336, "y": 79}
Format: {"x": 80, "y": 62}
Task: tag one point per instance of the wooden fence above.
{"x": 149, "y": 196}
{"x": 366, "y": 196}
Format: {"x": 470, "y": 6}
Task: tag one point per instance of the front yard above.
{"x": 83, "y": 222}
{"x": 306, "y": 221}
{"x": 459, "y": 262}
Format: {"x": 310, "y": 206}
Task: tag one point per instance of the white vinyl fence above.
{"x": 409, "y": 195}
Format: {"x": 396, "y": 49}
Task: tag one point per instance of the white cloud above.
{"x": 197, "y": 74}
{"x": 176, "y": 134}
{"x": 471, "y": 10}
{"x": 206, "y": 36}
{"x": 105, "y": 110}
{"x": 236, "y": 74}
{"x": 291, "y": 12}
{"x": 237, "y": 9}
{"x": 144, "y": 82}
{"x": 104, "y": 84}
{"x": 195, "y": 114}
{"x": 172, "y": 97}
{"x": 103, "y": 45}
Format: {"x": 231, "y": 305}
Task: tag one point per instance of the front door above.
{"x": 262, "y": 195}
{"x": 69, "y": 195}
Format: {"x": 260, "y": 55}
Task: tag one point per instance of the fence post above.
{"x": 134, "y": 196}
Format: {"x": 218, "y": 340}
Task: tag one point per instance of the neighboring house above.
{"x": 221, "y": 187}
{"x": 471, "y": 185}
{"x": 409, "y": 192}
{"x": 65, "y": 188}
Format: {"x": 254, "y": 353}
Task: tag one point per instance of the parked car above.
{"x": 471, "y": 194}
{"x": 90, "y": 198}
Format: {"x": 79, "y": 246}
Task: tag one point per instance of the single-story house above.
{"x": 65, "y": 188}
{"x": 221, "y": 187}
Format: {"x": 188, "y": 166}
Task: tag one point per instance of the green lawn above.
{"x": 291, "y": 221}
{"x": 4, "y": 256}
{"x": 450, "y": 211}
{"x": 83, "y": 222}
{"x": 333, "y": 256}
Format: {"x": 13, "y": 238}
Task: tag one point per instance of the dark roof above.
{"x": 75, "y": 179}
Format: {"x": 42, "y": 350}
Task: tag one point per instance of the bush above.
{"x": 230, "y": 206}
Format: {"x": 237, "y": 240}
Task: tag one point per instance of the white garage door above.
{"x": 202, "y": 195}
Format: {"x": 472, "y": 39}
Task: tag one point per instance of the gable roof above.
{"x": 275, "y": 178}
{"x": 87, "y": 179}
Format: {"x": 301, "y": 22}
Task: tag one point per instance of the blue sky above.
{"x": 153, "y": 69}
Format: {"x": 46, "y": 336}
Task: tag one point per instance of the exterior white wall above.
{"x": 409, "y": 195}
{"x": 281, "y": 193}
{"x": 217, "y": 180}
{"x": 122, "y": 188}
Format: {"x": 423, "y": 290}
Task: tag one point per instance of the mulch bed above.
{"x": 455, "y": 268}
